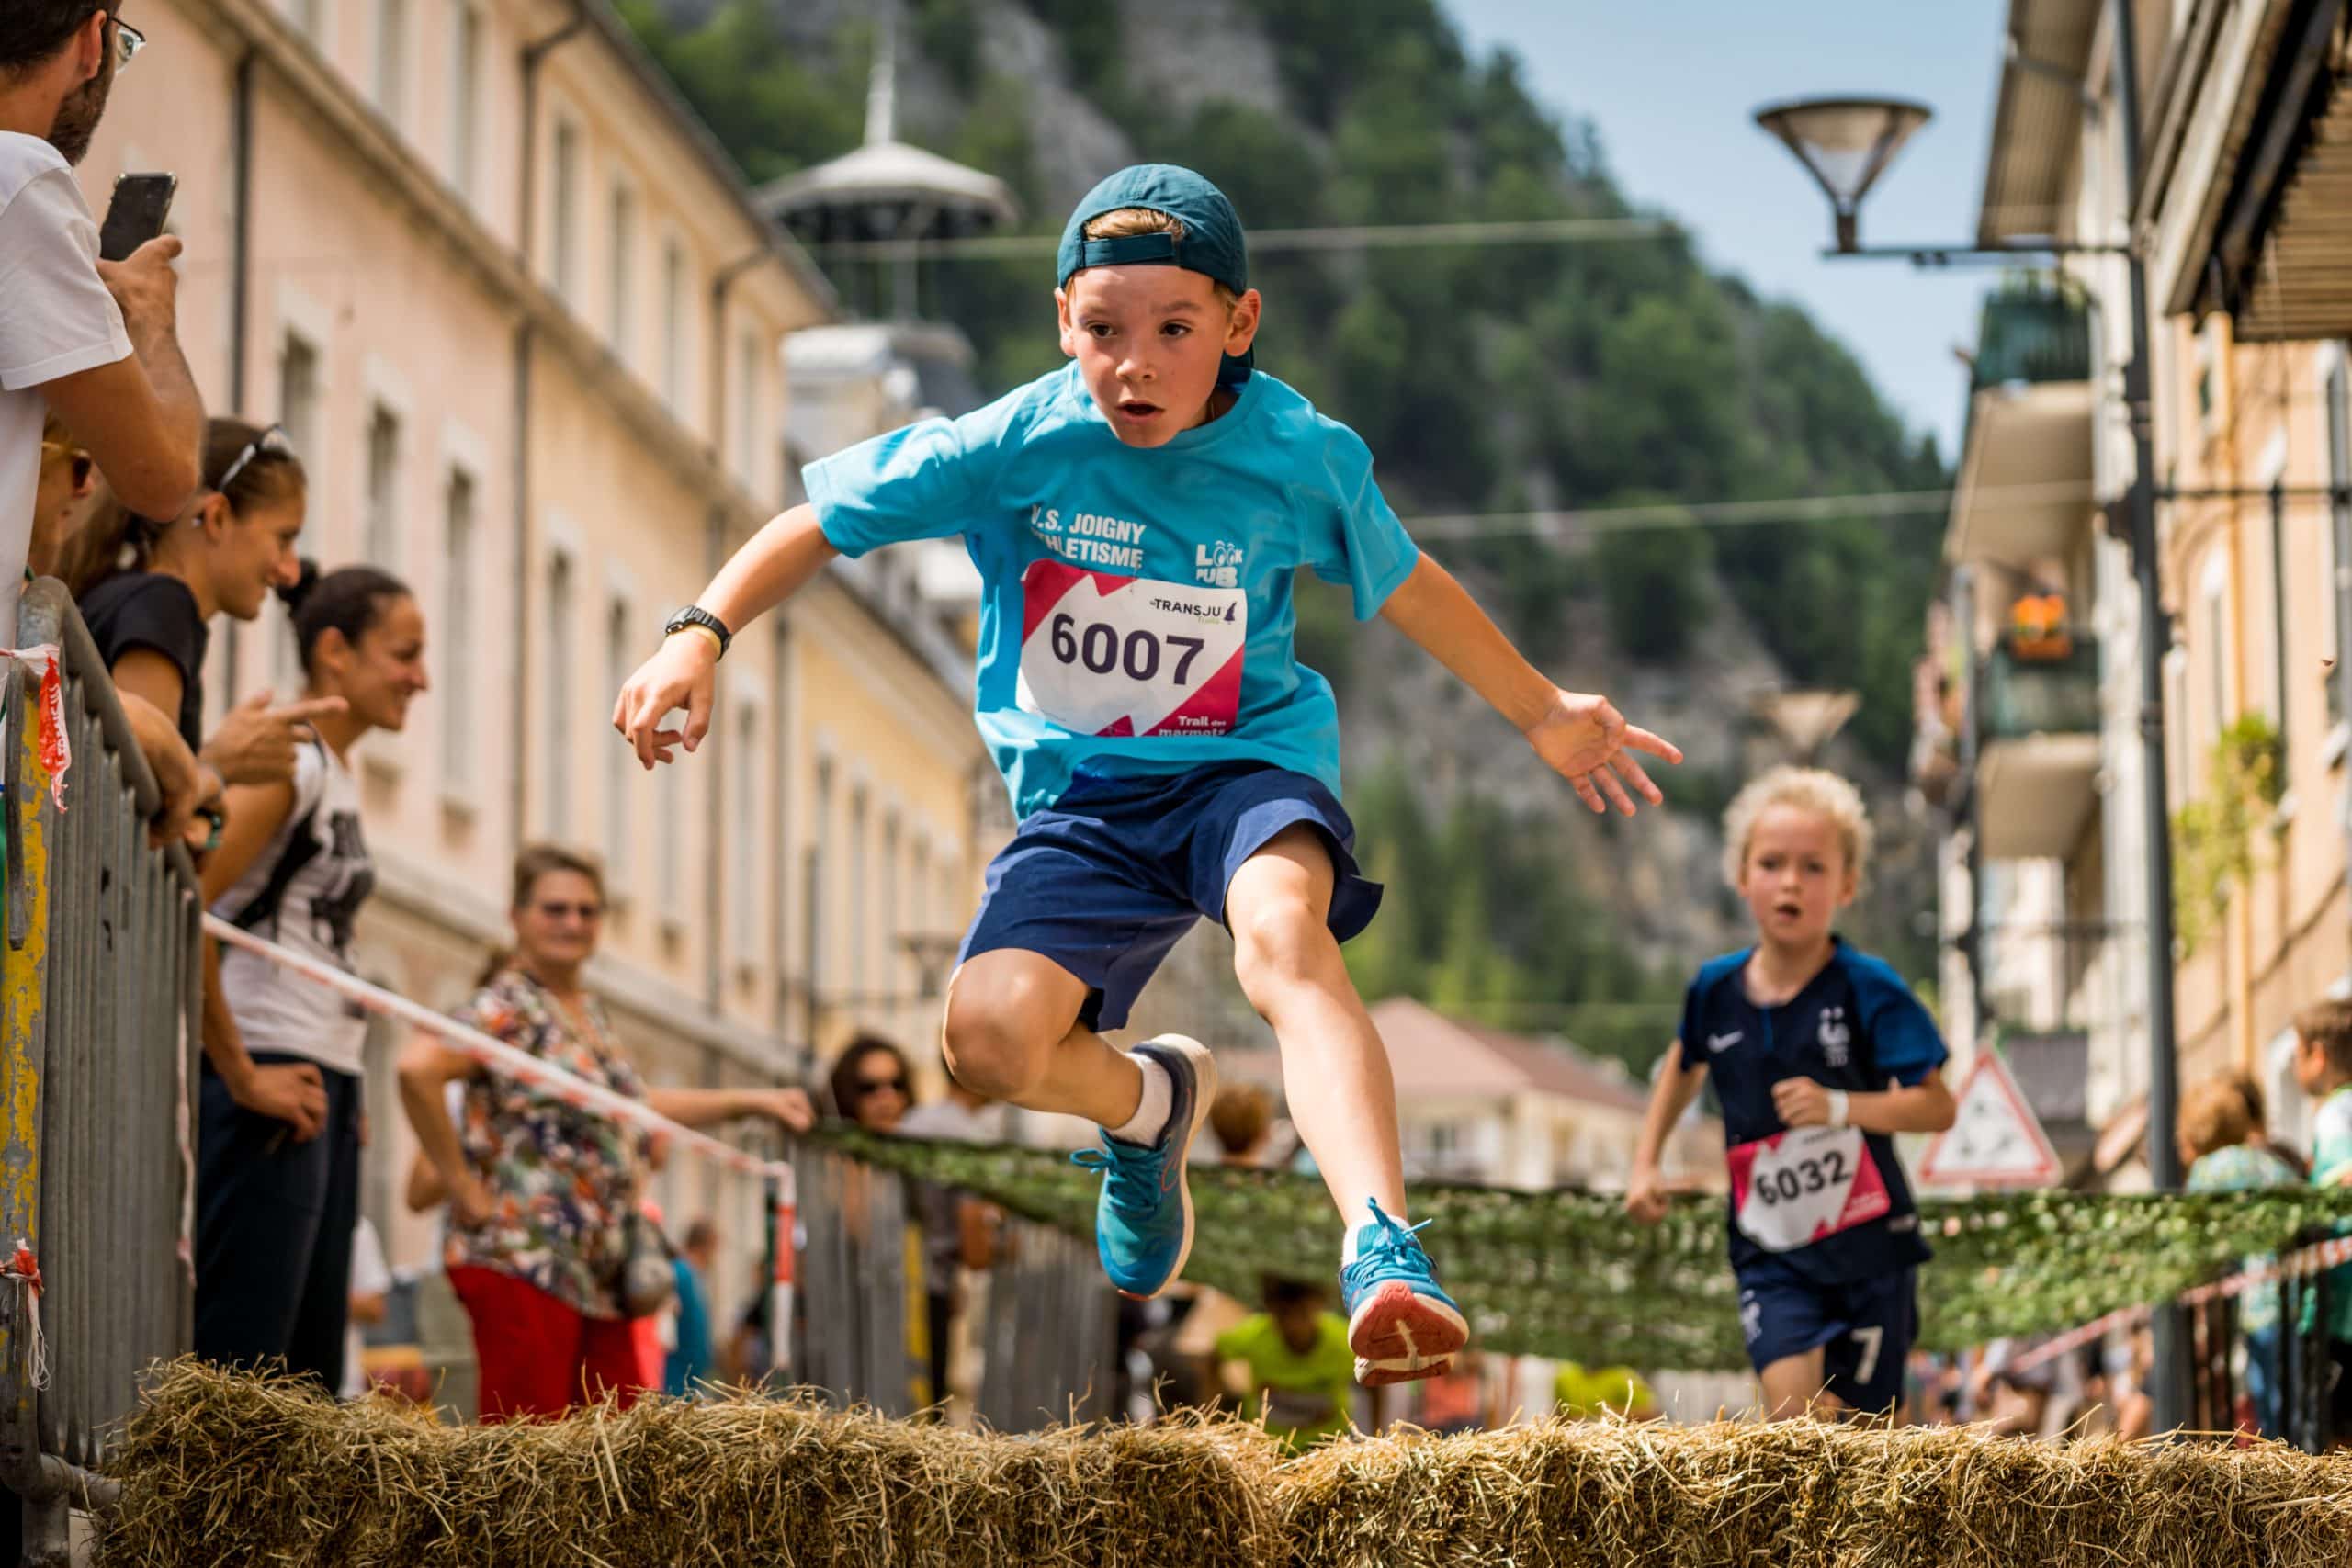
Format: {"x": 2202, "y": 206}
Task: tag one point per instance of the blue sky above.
{"x": 1670, "y": 84}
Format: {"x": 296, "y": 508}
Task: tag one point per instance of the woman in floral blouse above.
{"x": 539, "y": 1191}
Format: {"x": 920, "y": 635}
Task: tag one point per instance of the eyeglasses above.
{"x": 585, "y": 911}
{"x": 868, "y": 1087}
{"x": 83, "y": 462}
{"x": 272, "y": 440}
{"x": 128, "y": 42}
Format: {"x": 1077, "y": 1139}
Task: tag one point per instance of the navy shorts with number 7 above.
{"x": 1864, "y": 1328}
{"x": 1109, "y": 877}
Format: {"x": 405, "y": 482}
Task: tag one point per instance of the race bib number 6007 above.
{"x": 1105, "y": 655}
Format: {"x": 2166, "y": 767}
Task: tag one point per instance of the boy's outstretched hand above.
{"x": 681, "y": 674}
{"x": 1588, "y": 743}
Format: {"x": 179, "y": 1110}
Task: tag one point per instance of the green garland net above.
{"x": 1567, "y": 1275}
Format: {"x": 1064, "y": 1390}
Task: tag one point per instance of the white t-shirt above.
{"x": 275, "y": 1009}
{"x": 951, "y": 1120}
{"x": 369, "y": 1277}
{"x": 56, "y": 319}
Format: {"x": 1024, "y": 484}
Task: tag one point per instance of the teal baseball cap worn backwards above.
{"x": 1211, "y": 244}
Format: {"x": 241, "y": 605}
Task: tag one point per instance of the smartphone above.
{"x": 136, "y": 214}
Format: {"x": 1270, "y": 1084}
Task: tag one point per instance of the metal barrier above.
{"x": 99, "y": 989}
{"x": 1045, "y": 1317}
{"x": 2292, "y": 1358}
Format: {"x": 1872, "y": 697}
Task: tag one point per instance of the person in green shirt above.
{"x": 1290, "y": 1365}
{"x": 2323, "y": 1071}
{"x": 1591, "y": 1394}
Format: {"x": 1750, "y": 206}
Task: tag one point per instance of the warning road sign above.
{"x": 1996, "y": 1140}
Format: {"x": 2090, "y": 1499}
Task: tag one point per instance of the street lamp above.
{"x": 1846, "y": 144}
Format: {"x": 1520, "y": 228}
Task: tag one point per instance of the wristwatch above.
{"x": 695, "y": 616}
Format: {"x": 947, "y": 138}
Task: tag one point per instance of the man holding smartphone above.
{"x": 95, "y": 341}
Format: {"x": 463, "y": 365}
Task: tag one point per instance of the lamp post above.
{"x": 1846, "y": 144}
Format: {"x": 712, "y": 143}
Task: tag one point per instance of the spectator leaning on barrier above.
{"x": 959, "y": 1231}
{"x": 277, "y": 1177}
{"x": 93, "y": 343}
{"x": 693, "y": 1356}
{"x": 2215, "y": 1135}
{"x": 539, "y": 1191}
{"x": 68, "y": 476}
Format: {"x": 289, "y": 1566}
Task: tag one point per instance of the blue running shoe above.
{"x": 1400, "y": 1325}
{"x": 1143, "y": 1223}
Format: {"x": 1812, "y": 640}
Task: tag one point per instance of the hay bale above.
{"x": 220, "y": 1468}
{"x": 1801, "y": 1495}
{"x": 224, "y": 1469}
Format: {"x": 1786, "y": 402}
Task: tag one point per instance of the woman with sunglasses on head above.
{"x": 539, "y": 1191}
{"x": 276, "y": 1205}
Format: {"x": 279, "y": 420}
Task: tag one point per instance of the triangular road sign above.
{"x": 1996, "y": 1140}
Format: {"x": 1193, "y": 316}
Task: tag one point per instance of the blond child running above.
{"x": 1138, "y": 518}
{"x": 1819, "y": 1054}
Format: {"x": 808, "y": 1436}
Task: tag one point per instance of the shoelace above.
{"x": 1133, "y": 1179}
{"x": 1392, "y": 1250}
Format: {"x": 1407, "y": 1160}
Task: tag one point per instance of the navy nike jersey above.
{"x": 1855, "y": 1026}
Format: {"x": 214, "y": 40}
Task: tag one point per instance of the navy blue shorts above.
{"x": 1864, "y": 1328}
{"x": 1106, "y": 879}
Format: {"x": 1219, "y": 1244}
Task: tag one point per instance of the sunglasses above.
{"x": 273, "y": 440}
{"x": 83, "y": 464}
{"x": 868, "y": 1087}
{"x": 585, "y": 911}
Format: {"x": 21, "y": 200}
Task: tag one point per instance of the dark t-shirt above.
{"x": 1854, "y": 1026}
{"x": 147, "y": 609}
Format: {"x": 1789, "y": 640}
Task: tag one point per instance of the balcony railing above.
{"x": 2032, "y": 337}
{"x": 2045, "y": 686}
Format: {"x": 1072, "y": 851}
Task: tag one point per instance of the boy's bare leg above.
{"x": 1012, "y": 1033}
{"x": 1342, "y": 1095}
{"x": 1792, "y": 1388}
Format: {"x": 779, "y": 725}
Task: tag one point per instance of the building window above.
{"x": 2339, "y": 476}
{"x": 918, "y": 889}
{"x": 886, "y": 885}
{"x": 746, "y": 411}
{"x": 381, "y": 544}
{"x": 821, "y": 836}
{"x": 561, "y": 653}
{"x": 391, "y": 55}
{"x": 465, "y": 90}
{"x": 2279, "y": 618}
{"x": 670, "y": 876}
{"x": 563, "y": 241}
{"x": 2214, "y": 592}
{"x": 619, "y": 761}
{"x": 674, "y": 327}
{"x": 856, "y": 873}
{"x": 455, "y": 636}
{"x": 299, "y": 396}
{"x": 743, "y": 831}
{"x": 620, "y": 281}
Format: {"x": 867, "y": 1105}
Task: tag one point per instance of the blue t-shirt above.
{"x": 1854, "y": 1026}
{"x": 1136, "y": 603}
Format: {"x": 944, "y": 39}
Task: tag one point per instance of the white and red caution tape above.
{"x": 2303, "y": 1261}
{"x": 56, "y": 745}
{"x": 507, "y": 1061}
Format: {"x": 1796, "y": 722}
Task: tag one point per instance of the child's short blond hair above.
{"x": 1120, "y": 222}
{"x": 2214, "y": 1115}
{"x": 1813, "y": 789}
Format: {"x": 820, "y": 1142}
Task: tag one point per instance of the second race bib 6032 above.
{"x": 1794, "y": 1188}
{"x": 1105, "y": 655}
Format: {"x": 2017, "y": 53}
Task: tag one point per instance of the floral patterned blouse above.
{"x": 560, "y": 1179}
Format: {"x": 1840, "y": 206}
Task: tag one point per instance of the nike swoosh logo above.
{"x": 1725, "y": 1041}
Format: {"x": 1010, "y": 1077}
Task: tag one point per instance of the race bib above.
{"x": 1104, "y": 655}
{"x": 1791, "y": 1188}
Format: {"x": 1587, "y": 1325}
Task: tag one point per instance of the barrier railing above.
{"x": 99, "y": 988}
{"x": 1044, "y": 1321}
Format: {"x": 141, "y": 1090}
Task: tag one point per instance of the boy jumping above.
{"x": 1137, "y": 518}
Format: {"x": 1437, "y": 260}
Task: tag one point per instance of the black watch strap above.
{"x": 695, "y": 616}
